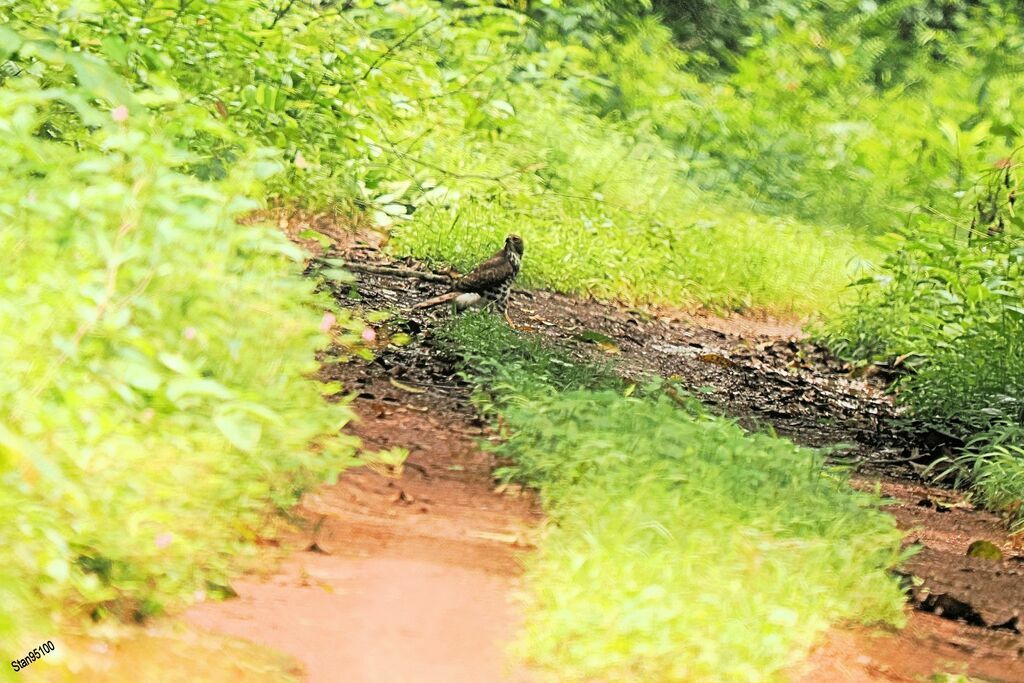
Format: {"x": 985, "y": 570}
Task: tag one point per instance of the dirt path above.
{"x": 968, "y": 610}
{"x": 410, "y": 576}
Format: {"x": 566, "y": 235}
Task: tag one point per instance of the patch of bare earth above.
{"x": 401, "y": 574}
{"x": 405, "y": 575}
{"x": 965, "y": 612}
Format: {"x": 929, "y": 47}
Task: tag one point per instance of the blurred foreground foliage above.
{"x": 154, "y": 405}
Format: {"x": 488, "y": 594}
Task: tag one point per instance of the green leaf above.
{"x": 140, "y": 376}
{"x": 322, "y": 239}
{"x": 10, "y": 42}
{"x": 337, "y": 274}
{"x": 500, "y": 109}
{"x": 244, "y": 434}
{"x": 603, "y": 341}
{"x": 950, "y": 130}
{"x": 96, "y": 77}
{"x": 176, "y": 363}
{"x": 394, "y": 209}
{"x": 58, "y": 570}
{"x": 17, "y": 450}
{"x": 194, "y": 386}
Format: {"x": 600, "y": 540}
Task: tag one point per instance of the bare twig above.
{"x": 401, "y": 154}
{"x": 419, "y": 468}
{"x": 398, "y": 272}
{"x": 527, "y": 168}
{"x": 511, "y": 57}
{"x": 280, "y": 12}
{"x": 384, "y": 55}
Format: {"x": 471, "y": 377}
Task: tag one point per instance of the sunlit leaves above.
{"x": 240, "y": 430}
{"x": 156, "y": 357}
{"x": 950, "y": 307}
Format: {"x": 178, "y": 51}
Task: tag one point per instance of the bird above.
{"x": 488, "y": 284}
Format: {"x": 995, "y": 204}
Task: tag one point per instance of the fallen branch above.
{"x": 903, "y": 460}
{"x": 397, "y": 272}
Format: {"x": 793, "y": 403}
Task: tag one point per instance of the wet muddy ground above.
{"x": 968, "y": 616}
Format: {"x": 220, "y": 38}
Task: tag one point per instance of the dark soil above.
{"x": 765, "y": 381}
{"x": 790, "y": 385}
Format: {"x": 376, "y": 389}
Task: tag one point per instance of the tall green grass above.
{"x": 952, "y": 311}
{"x": 681, "y": 548}
{"x": 608, "y": 212}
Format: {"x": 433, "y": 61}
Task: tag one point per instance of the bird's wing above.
{"x": 486, "y": 275}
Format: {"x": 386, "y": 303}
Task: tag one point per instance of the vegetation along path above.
{"x": 860, "y": 161}
{"x": 409, "y": 570}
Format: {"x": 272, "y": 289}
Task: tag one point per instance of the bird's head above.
{"x": 514, "y": 244}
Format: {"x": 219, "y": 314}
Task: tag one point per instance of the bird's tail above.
{"x": 437, "y": 300}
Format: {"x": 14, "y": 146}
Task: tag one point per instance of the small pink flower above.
{"x": 120, "y": 114}
{"x": 327, "y": 322}
{"x": 190, "y": 333}
{"x": 164, "y": 540}
{"x": 369, "y": 335}
{"x": 300, "y": 161}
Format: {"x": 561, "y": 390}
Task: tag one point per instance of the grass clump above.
{"x": 682, "y": 547}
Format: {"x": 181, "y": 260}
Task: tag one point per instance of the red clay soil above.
{"x": 928, "y": 645}
{"x": 939, "y": 640}
{"x": 410, "y": 577}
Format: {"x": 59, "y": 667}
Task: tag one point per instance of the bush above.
{"x": 832, "y": 114}
{"x": 153, "y": 405}
{"x": 950, "y": 309}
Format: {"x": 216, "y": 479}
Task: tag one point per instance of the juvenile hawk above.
{"x": 488, "y": 284}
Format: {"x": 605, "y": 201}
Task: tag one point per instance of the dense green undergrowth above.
{"x": 949, "y": 312}
{"x": 763, "y": 184}
{"x": 608, "y": 215}
{"x": 681, "y": 548}
{"x": 155, "y": 410}
{"x": 585, "y": 126}
{"x": 453, "y": 124}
